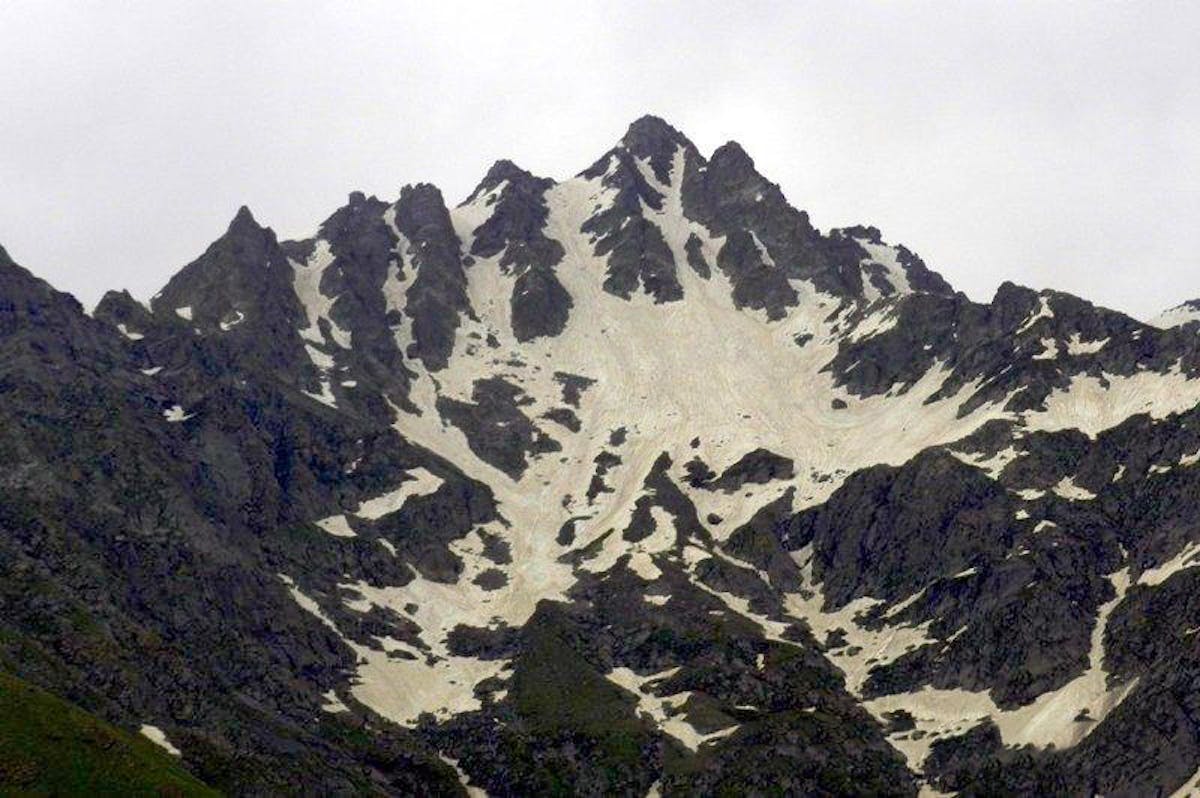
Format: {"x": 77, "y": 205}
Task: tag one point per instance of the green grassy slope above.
{"x": 49, "y": 747}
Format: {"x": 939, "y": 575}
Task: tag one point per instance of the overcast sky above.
{"x": 1051, "y": 145}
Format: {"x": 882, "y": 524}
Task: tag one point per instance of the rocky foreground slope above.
{"x": 635, "y": 483}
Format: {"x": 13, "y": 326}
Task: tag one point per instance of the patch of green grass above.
{"x": 50, "y": 747}
{"x": 560, "y": 696}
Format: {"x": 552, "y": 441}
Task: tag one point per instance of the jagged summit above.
{"x": 734, "y": 155}
{"x": 244, "y": 219}
{"x": 653, "y": 138}
{"x": 503, "y": 171}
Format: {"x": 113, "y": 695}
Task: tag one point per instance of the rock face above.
{"x": 632, "y": 482}
{"x": 539, "y": 304}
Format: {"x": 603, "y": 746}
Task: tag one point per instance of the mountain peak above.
{"x": 537, "y": 454}
{"x": 649, "y": 131}
{"x": 244, "y": 221}
{"x": 505, "y": 170}
{"x": 648, "y": 136}
{"x": 731, "y": 153}
{"x": 652, "y": 139}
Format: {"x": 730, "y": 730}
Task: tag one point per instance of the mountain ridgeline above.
{"x": 636, "y": 483}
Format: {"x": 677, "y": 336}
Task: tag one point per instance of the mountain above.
{"x": 632, "y": 483}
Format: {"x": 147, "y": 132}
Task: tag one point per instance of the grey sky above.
{"x": 1052, "y": 145}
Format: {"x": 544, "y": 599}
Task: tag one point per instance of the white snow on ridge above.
{"x": 992, "y": 464}
{"x": 468, "y": 216}
{"x": 333, "y": 703}
{"x": 879, "y": 320}
{"x": 1176, "y": 316}
{"x": 762, "y": 251}
{"x": 320, "y": 359}
{"x": 306, "y": 282}
{"x": 875, "y": 647}
{"x": 397, "y": 280}
{"x": 472, "y": 791}
{"x": 132, "y": 336}
{"x": 402, "y": 689}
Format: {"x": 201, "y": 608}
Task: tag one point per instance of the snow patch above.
{"x": 889, "y": 258}
{"x": 1043, "y": 312}
{"x": 463, "y": 779}
{"x": 665, "y": 711}
{"x": 1067, "y": 488}
{"x": 175, "y": 414}
{"x": 226, "y": 326}
{"x": 865, "y": 649}
{"x": 159, "y": 738}
{"x": 421, "y": 484}
{"x": 1188, "y": 557}
{"x": 332, "y": 703}
{"x": 1049, "y": 350}
{"x": 1176, "y": 316}
{"x": 1088, "y": 406}
{"x": 325, "y": 397}
{"x": 337, "y": 525}
{"x": 1077, "y": 346}
{"x": 306, "y": 282}
{"x": 1049, "y": 720}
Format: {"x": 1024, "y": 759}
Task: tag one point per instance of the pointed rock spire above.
{"x": 650, "y": 132}
{"x": 244, "y": 219}
{"x": 503, "y": 171}
{"x": 652, "y": 138}
{"x": 239, "y": 276}
{"x": 437, "y": 297}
